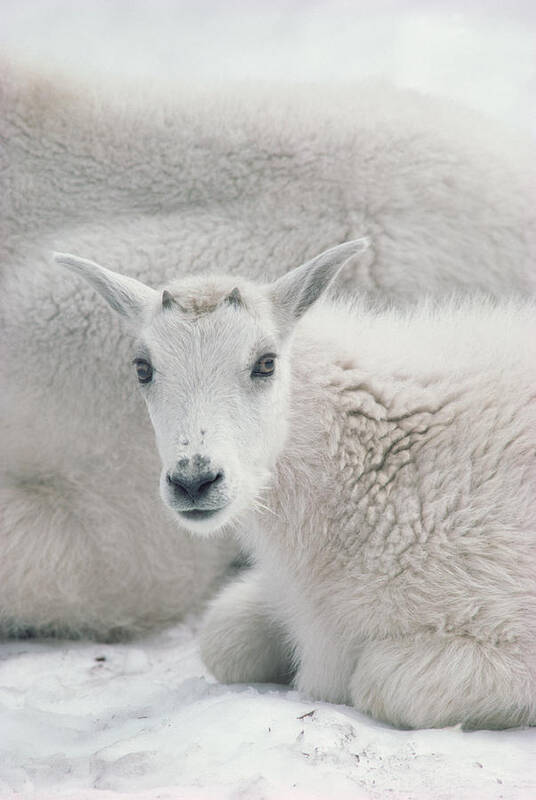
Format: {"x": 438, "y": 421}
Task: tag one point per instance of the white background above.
{"x": 482, "y": 52}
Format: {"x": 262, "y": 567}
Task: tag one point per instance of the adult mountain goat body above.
{"x": 382, "y": 466}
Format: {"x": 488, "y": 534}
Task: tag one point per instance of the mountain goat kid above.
{"x": 382, "y": 467}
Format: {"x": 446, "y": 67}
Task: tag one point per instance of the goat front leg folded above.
{"x": 241, "y": 639}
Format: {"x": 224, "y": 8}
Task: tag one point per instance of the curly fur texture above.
{"x": 396, "y": 558}
{"x": 172, "y": 182}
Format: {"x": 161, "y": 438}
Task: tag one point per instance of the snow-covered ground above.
{"x": 143, "y": 719}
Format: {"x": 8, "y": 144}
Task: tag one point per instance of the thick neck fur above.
{"x": 366, "y": 389}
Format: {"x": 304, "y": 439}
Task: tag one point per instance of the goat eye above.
{"x": 265, "y": 366}
{"x": 144, "y": 370}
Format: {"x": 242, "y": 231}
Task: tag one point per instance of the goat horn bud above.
{"x": 234, "y": 298}
{"x": 167, "y": 299}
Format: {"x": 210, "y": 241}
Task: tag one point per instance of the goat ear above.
{"x": 296, "y": 291}
{"x": 126, "y": 295}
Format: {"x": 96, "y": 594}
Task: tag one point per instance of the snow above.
{"x": 145, "y": 720}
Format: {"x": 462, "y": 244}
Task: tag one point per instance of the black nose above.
{"x": 194, "y": 487}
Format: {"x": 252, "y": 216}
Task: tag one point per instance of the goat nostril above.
{"x": 174, "y": 480}
{"x": 179, "y": 487}
{"x": 193, "y": 488}
{"x": 210, "y": 483}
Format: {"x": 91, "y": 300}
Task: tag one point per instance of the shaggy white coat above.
{"x": 172, "y": 183}
{"x": 396, "y": 559}
{"x": 388, "y": 462}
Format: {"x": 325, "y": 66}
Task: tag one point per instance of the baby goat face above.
{"x": 211, "y": 356}
{"x": 212, "y": 367}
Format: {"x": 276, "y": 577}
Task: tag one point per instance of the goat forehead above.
{"x": 227, "y": 334}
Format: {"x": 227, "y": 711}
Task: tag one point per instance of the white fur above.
{"x": 396, "y": 558}
{"x": 388, "y": 465}
{"x": 241, "y": 181}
